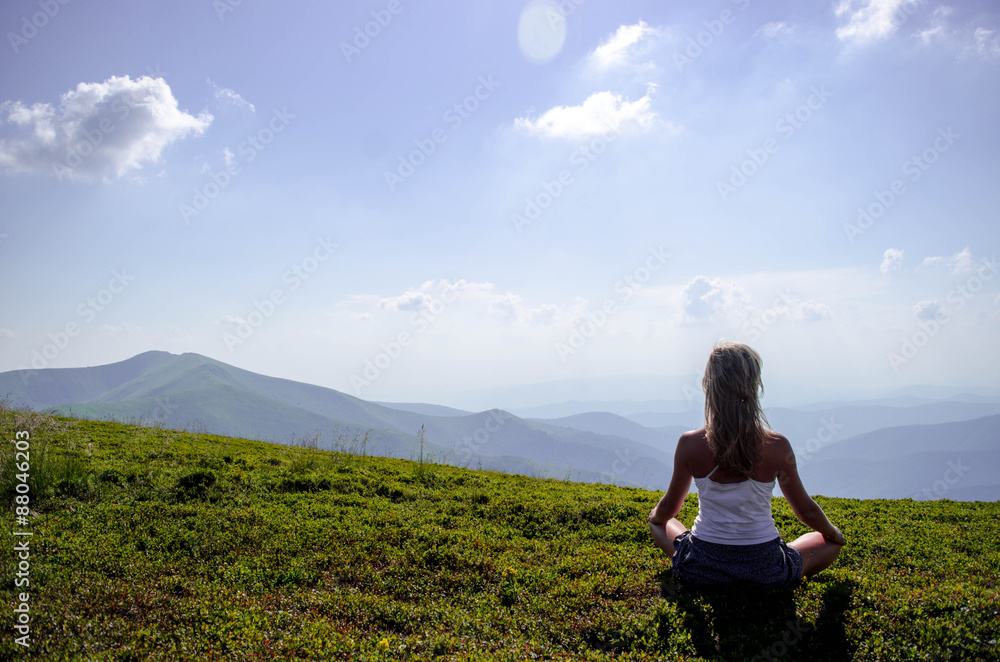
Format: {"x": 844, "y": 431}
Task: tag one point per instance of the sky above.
{"x": 414, "y": 201}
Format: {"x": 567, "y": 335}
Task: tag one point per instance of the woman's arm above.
{"x": 680, "y": 484}
{"x": 804, "y": 506}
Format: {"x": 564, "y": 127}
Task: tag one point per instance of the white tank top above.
{"x": 734, "y": 513}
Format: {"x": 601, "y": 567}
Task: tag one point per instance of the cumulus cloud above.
{"x": 600, "y": 113}
{"x": 797, "y": 310}
{"x": 869, "y": 20}
{"x": 510, "y": 308}
{"x": 98, "y": 130}
{"x": 706, "y": 299}
{"x": 431, "y": 294}
{"x": 621, "y": 47}
{"x": 927, "y": 309}
{"x": 892, "y": 260}
{"x": 960, "y": 263}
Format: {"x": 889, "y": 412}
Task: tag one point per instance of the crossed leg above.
{"x": 664, "y": 534}
{"x": 817, "y": 553}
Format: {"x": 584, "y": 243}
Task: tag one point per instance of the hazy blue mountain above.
{"x": 958, "y": 461}
{"x": 612, "y": 424}
{"x": 618, "y": 407}
{"x": 420, "y": 408}
{"x": 849, "y": 450}
{"x": 689, "y": 420}
{"x": 523, "y": 399}
{"x": 838, "y": 423}
{"x": 191, "y": 391}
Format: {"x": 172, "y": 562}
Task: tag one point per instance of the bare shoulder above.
{"x": 691, "y": 439}
{"x": 690, "y": 444}
{"x": 777, "y": 448}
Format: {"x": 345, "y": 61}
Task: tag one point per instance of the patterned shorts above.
{"x": 768, "y": 565}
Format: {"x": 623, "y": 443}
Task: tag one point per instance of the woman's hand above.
{"x": 652, "y": 518}
{"x": 837, "y": 538}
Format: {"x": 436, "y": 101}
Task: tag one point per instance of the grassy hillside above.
{"x": 163, "y": 545}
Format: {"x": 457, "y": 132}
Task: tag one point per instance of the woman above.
{"x": 735, "y": 460}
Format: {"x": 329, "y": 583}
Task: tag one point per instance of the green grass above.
{"x": 163, "y": 545}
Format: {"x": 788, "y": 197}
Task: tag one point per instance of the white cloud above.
{"x": 432, "y": 294}
{"x": 7, "y": 333}
{"x": 937, "y": 30}
{"x": 363, "y": 317}
{"x": 960, "y": 263}
{"x": 984, "y": 44}
{"x": 871, "y": 20}
{"x": 804, "y": 311}
{"x": 892, "y": 260}
{"x": 226, "y": 96}
{"x": 772, "y": 30}
{"x": 510, "y": 308}
{"x": 505, "y": 307}
{"x": 99, "y": 130}
{"x": 927, "y": 309}
{"x": 706, "y": 299}
{"x": 600, "y": 113}
{"x": 792, "y": 309}
{"x": 623, "y": 45}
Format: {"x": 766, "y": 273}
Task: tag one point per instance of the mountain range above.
{"x": 897, "y": 447}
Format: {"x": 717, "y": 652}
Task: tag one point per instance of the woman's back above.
{"x": 732, "y": 509}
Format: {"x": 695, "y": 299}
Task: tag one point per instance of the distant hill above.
{"x": 618, "y": 407}
{"x": 851, "y": 450}
{"x": 959, "y": 461}
{"x": 611, "y": 424}
{"x": 190, "y": 391}
{"x": 838, "y": 423}
{"x": 430, "y": 410}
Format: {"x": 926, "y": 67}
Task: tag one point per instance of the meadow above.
{"x": 159, "y": 544}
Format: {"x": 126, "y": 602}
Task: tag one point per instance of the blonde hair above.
{"x": 735, "y": 424}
